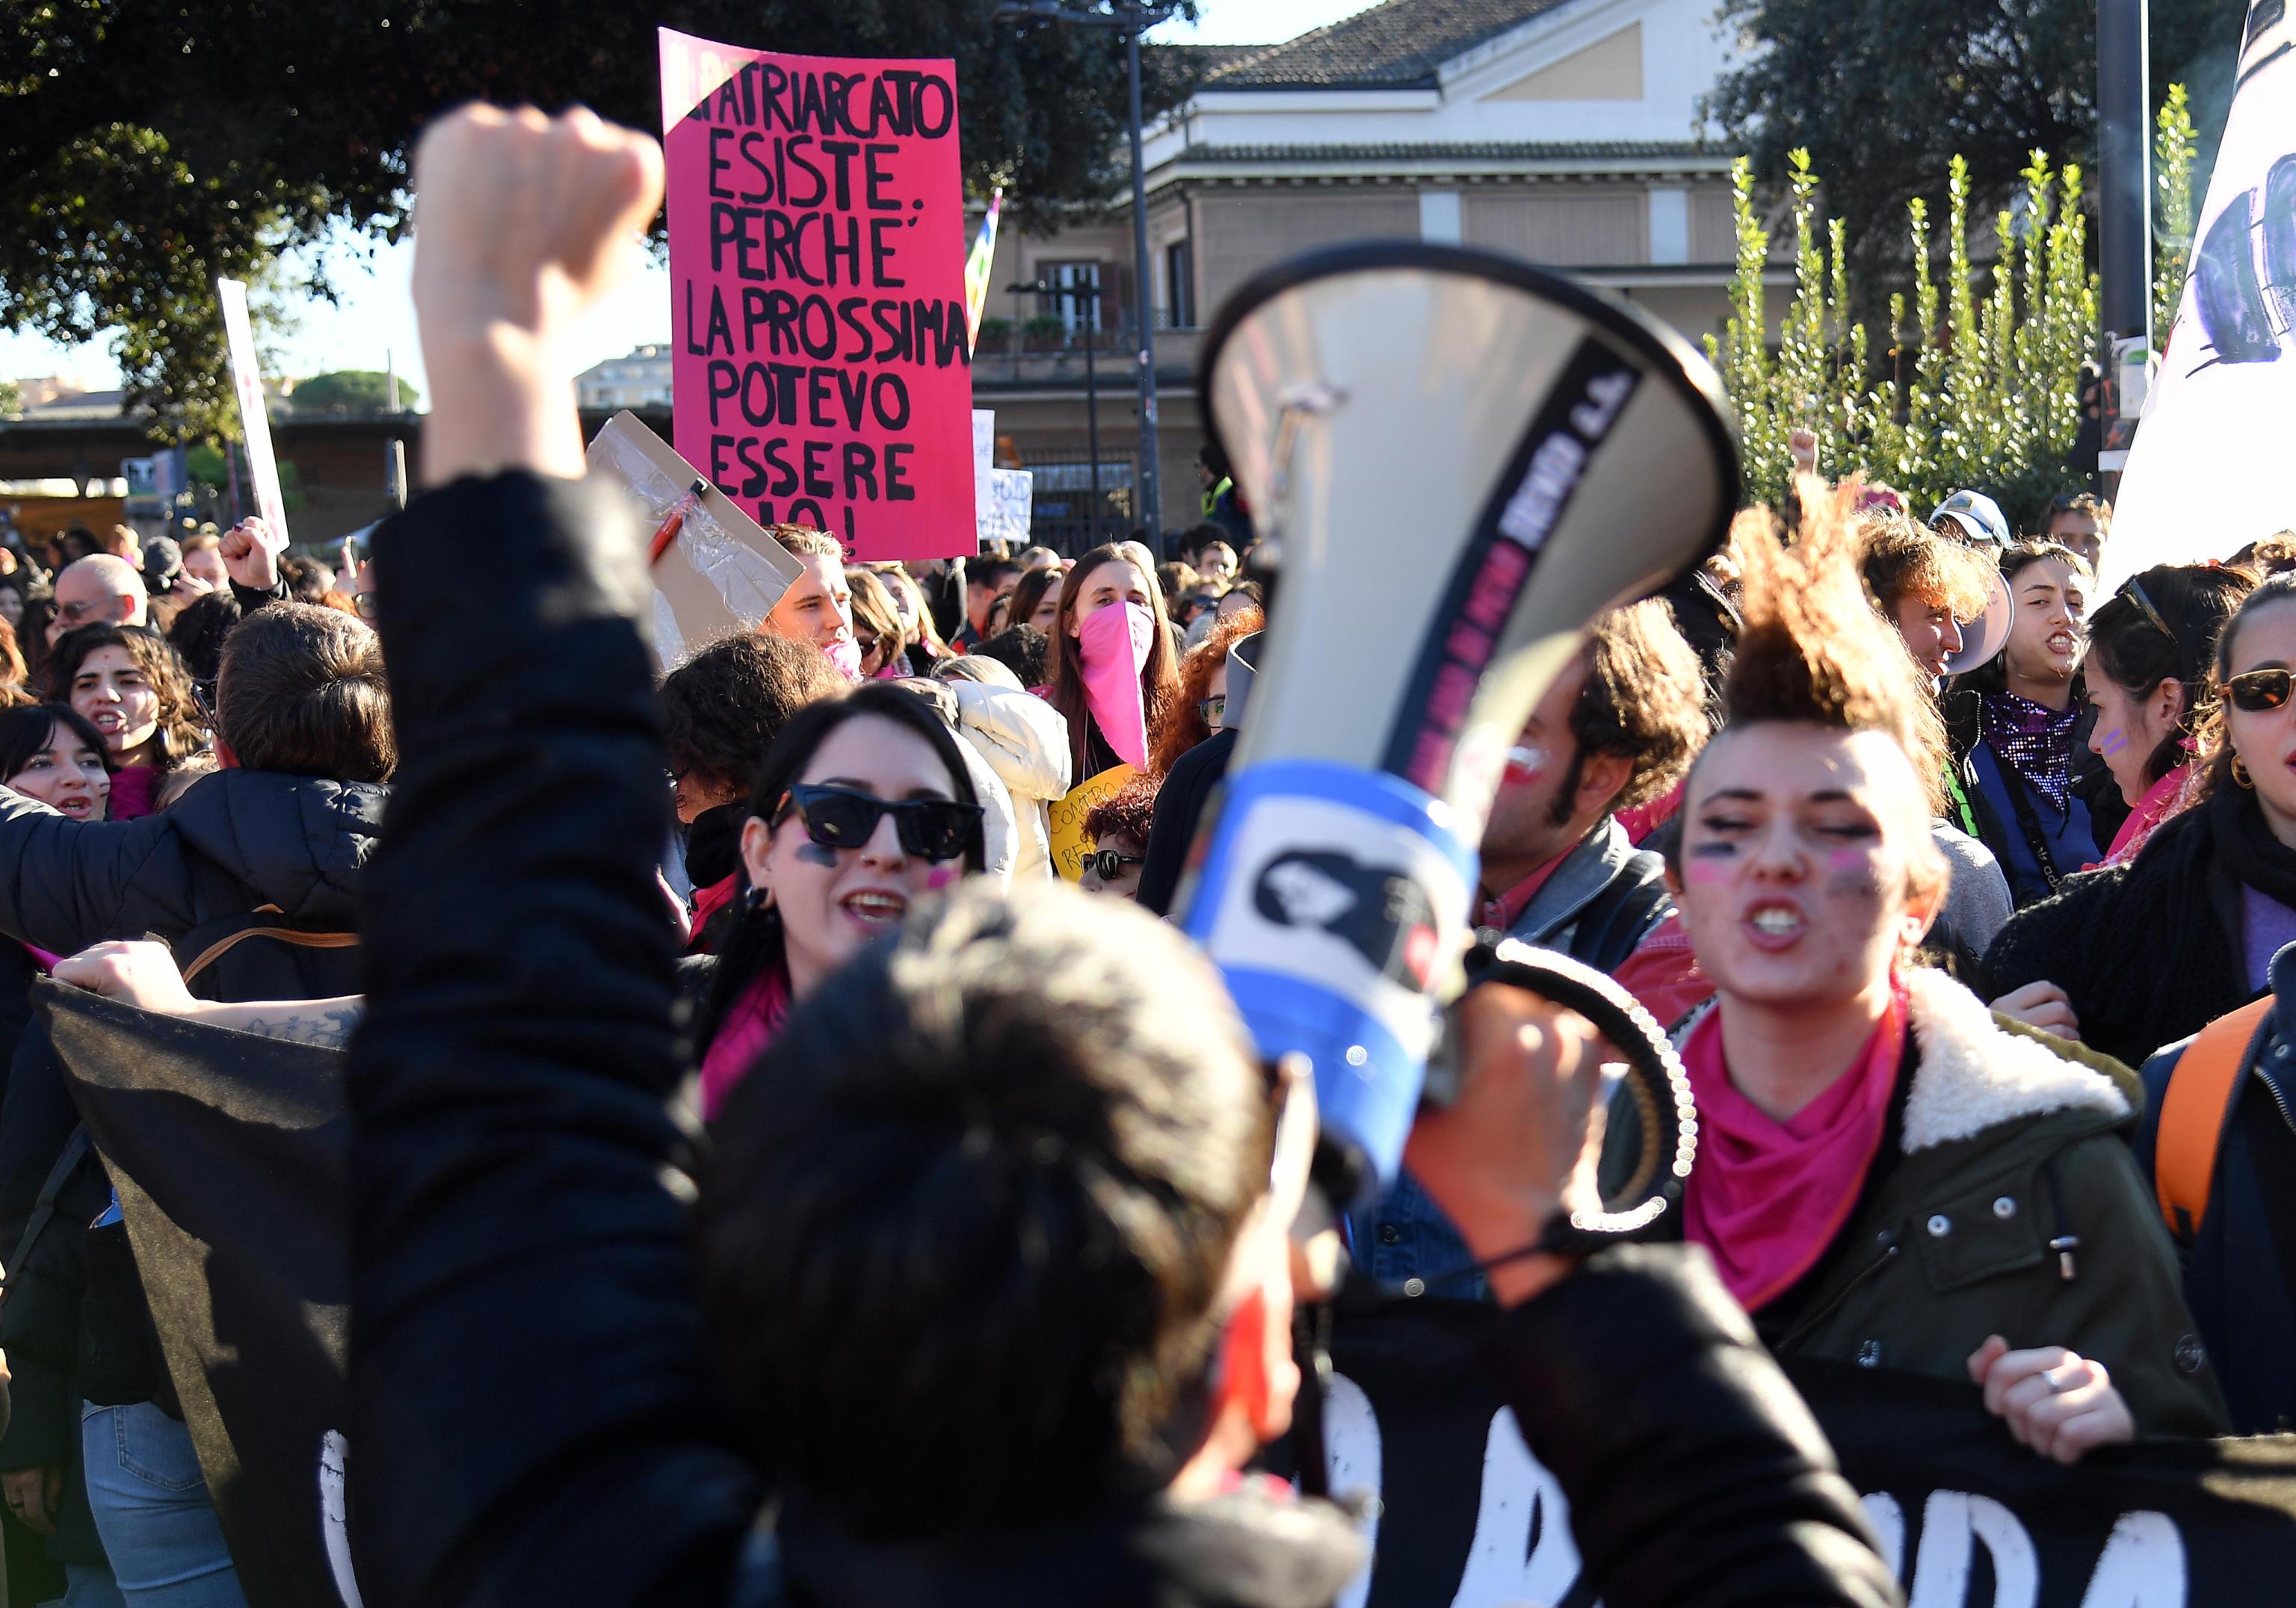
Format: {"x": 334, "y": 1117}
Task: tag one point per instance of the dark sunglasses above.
{"x": 1109, "y": 863}
{"x": 931, "y": 828}
{"x": 2260, "y": 690}
{"x": 1213, "y": 710}
{"x": 363, "y": 602}
{"x": 2135, "y": 594}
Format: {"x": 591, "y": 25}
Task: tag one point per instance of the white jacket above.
{"x": 1024, "y": 742}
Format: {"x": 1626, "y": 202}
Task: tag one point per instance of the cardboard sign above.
{"x": 719, "y": 573}
{"x": 1067, "y": 812}
{"x": 819, "y": 358}
{"x": 254, "y": 420}
{"x": 1012, "y": 499}
{"x": 2204, "y": 478}
{"x": 984, "y": 459}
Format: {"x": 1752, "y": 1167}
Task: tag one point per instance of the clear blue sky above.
{"x": 375, "y": 319}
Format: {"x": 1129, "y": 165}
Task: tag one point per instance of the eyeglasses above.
{"x": 931, "y": 828}
{"x": 2260, "y": 689}
{"x": 72, "y": 614}
{"x": 363, "y": 603}
{"x": 1213, "y": 710}
{"x": 1109, "y": 863}
{"x": 2135, "y": 594}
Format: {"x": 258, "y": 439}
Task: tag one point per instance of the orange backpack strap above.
{"x": 2192, "y": 1114}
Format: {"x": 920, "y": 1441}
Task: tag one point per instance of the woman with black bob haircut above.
{"x": 864, "y": 804}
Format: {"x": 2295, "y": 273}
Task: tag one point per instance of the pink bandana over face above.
{"x": 1767, "y": 1197}
{"x": 846, "y": 655}
{"x": 1115, "y": 642}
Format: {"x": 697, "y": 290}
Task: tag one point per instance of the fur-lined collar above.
{"x": 1973, "y": 1076}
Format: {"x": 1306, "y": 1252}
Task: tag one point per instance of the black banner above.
{"x": 230, "y": 1152}
{"x": 1467, "y": 1517}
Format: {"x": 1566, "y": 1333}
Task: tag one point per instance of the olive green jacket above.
{"x": 2014, "y": 1208}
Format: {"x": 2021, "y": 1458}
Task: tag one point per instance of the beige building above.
{"x": 1564, "y": 132}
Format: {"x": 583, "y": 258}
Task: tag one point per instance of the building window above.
{"x": 1074, "y": 312}
{"x": 1179, "y": 286}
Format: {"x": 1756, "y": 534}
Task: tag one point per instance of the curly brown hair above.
{"x": 181, "y": 720}
{"x": 1644, "y": 698}
{"x": 724, "y": 706}
{"x": 1898, "y": 560}
{"x": 1183, "y": 727}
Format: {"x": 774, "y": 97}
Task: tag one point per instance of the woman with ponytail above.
{"x": 1887, "y": 1173}
{"x": 1114, "y": 675}
{"x": 864, "y": 804}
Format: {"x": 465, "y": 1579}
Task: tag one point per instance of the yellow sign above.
{"x": 1067, "y": 812}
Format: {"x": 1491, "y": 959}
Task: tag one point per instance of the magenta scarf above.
{"x": 135, "y": 793}
{"x": 1767, "y": 1197}
{"x": 1114, "y": 644}
{"x": 743, "y": 1037}
{"x": 2163, "y": 799}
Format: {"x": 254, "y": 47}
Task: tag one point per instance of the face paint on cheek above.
{"x": 1852, "y": 872}
{"x": 2113, "y": 742}
{"x": 1709, "y": 871}
{"x": 939, "y": 877}
{"x": 813, "y": 853}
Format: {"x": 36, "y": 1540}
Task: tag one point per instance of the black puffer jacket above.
{"x": 531, "y": 1414}
{"x": 2149, "y": 952}
{"x": 239, "y": 841}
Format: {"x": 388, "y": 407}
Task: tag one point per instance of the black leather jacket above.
{"x": 531, "y": 1419}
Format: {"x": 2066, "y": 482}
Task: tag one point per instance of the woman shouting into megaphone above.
{"x": 1887, "y": 1173}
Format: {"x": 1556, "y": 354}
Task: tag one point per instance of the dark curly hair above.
{"x": 181, "y": 720}
{"x": 1020, "y": 648}
{"x": 198, "y": 631}
{"x": 724, "y": 706}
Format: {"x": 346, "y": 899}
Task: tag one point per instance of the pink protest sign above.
{"x": 816, "y": 265}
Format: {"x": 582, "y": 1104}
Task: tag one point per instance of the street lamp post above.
{"x": 1133, "y": 18}
{"x": 1090, "y": 296}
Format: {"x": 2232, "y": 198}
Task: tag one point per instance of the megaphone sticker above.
{"x": 1376, "y": 911}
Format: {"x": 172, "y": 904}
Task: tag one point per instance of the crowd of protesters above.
{"x": 980, "y": 1278}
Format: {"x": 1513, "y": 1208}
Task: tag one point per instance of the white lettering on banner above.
{"x": 1889, "y": 1522}
{"x": 1352, "y": 1451}
{"x": 1952, "y": 1523}
{"x": 2143, "y": 1565}
{"x": 1523, "y": 1555}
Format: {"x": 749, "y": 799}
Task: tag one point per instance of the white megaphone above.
{"x": 1464, "y": 461}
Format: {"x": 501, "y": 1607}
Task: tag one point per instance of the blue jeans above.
{"x": 151, "y": 1509}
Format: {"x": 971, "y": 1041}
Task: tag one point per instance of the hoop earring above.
{"x": 2240, "y": 773}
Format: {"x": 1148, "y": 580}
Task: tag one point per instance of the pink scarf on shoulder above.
{"x": 742, "y": 1038}
{"x": 1767, "y": 1197}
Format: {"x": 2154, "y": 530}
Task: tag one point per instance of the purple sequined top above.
{"x": 2034, "y": 738}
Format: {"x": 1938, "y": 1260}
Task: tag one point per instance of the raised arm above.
{"x": 530, "y": 1421}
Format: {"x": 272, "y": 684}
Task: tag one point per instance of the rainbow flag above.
{"x": 976, "y": 270}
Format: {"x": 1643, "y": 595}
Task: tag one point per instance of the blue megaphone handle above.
{"x": 1329, "y": 900}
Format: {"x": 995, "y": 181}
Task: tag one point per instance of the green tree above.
{"x": 349, "y": 391}
{"x": 146, "y": 150}
{"x": 1884, "y": 93}
{"x": 1980, "y": 384}
{"x": 11, "y": 399}
{"x": 2175, "y": 141}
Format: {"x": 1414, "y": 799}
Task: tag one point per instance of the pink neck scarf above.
{"x": 1114, "y": 645}
{"x": 743, "y": 1037}
{"x": 1767, "y": 1197}
{"x": 135, "y": 793}
{"x": 2161, "y": 800}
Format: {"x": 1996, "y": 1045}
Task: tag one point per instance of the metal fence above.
{"x": 1060, "y": 511}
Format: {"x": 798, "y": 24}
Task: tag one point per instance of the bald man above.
{"x": 99, "y": 590}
